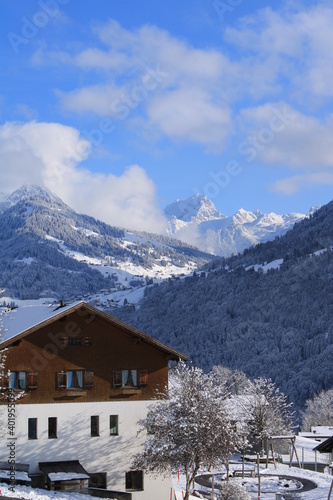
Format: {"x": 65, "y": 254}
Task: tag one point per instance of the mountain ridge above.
{"x": 39, "y": 234}
{"x": 198, "y": 222}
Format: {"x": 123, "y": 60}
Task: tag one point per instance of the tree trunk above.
{"x": 188, "y": 489}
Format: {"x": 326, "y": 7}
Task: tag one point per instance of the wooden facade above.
{"x": 104, "y": 358}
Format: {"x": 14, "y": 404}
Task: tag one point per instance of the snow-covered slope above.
{"x": 196, "y": 221}
{"x": 27, "y": 192}
{"x": 47, "y": 249}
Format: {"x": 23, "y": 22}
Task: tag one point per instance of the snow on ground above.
{"x": 157, "y": 271}
{"x": 269, "y": 485}
{"x": 39, "y": 494}
{"x": 275, "y": 264}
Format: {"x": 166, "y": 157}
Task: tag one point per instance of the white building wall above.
{"x": 105, "y": 453}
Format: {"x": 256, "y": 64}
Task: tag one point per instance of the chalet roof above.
{"x": 24, "y": 321}
{"x": 326, "y": 446}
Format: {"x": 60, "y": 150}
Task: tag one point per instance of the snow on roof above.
{"x": 323, "y": 430}
{"x": 19, "y": 475}
{"x": 16, "y": 321}
{"x": 66, "y": 476}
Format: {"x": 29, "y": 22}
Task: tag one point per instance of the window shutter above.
{"x": 63, "y": 341}
{"x": 3, "y": 381}
{"x": 117, "y": 378}
{"x": 61, "y": 381}
{"x": 32, "y": 380}
{"x": 143, "y": 377}
{"x": 88, "y": 379}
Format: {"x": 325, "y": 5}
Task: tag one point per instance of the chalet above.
{"x": 79, "y": 381}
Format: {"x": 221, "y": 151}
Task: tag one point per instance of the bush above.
{"x": 233, "y": 491}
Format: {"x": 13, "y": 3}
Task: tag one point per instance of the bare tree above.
{"x": 318, "y": 411}
{"x": 189, "y": 429}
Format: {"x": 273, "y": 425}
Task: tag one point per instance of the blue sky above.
{"x": 122, "y": 107}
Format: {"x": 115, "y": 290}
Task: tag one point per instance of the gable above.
{"x": 85, "y": 355}
{"x": 73, "y": 324}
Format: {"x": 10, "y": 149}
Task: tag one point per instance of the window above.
{"x": 21, "y": 380}
{"x": 94, "y": 426}
{"x": 32, "y": 428}
{"x": 53, "y": 427}
{"x": 75, "y": 379}
{"x": 130, "y": 378}
{"x": 113, "y": 425}
{"x": 75, "y": 341}
{"x": 134, "y": 480}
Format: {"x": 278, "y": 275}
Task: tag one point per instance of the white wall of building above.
{"x": 105, "y": 453}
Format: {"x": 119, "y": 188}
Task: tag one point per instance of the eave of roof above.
{"x": 326, "y": 446}
{"x": 64, "y": 311}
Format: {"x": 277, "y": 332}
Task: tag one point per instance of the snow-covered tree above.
{"x": 268, "y": 411}
{"x": 318, "y": 411}
{"x": 234, "y": 382}
{"x": 233, "y": 491}
{"x": 189, "y": 429}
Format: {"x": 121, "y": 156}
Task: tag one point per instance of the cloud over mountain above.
{"x": 52, "y": 155}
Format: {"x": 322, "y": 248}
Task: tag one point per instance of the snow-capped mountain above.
{"x": 47, "y": 249}
{"x": 198, "y": 208}
{"x": 30, "y": 191}
{"x": 198, "y": 222}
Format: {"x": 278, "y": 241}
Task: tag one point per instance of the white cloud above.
{"x": 97, "y": 99}
{"x": 50, "y": 154}
{"x": 175, "y": 89}
{"x": 283, "y": 136}
{"x": 291, "y": 185}
{"x": 294, "y": 44}
{"x": 191, "y": 114}
{"x": 172, "y": 89}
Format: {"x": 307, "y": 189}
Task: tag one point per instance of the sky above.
{"x": 122, "y": 107}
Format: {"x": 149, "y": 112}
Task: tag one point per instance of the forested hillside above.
{"x": 276, "y": 324}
